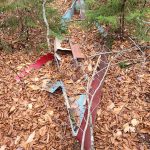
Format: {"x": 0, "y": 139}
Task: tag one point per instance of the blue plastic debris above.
{"x": 55, "y": 86}
{"x": 68, "y": 15}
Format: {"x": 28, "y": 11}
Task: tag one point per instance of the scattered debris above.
{"x": 96, "y": 100}
{"x": 37, "y": 65}
{"x": 78, "y": 110}
{"x": 57, "y": 46}
{"x": 76, "y": 51}
{"x": 123, "y": 115}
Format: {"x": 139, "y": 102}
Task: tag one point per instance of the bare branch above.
{"x": 46, "y": 23}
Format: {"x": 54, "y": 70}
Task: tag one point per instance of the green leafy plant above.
{"x": 24, "y": 15}
{"x": 119, "y": 14}
{"x": 123, "y": 65}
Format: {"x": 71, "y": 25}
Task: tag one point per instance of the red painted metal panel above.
{"x": 38, "y": 64}
{"x": 96, "y": 100}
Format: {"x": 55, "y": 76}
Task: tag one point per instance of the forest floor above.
{"x": 31, "y": 118}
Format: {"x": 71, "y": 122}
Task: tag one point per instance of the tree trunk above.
{"x": 122, "y": 18}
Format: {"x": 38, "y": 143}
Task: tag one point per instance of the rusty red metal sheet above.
{"x": 96, "y": 100}
{"x": 76, "y": 51}
{"x": 38, "y": 64}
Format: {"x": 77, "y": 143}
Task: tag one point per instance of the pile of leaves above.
{"x": 32, "y": 118}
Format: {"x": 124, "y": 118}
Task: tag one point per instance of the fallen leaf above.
{"x": 134, "y": 122}
{"x": 99, "y": 112}
{"x": 35, "y": 79}
{"x": 29, "y": 106}
{"x": 132, "y": 129}
{"x": 90, "y": 67}
{"x": 118, "y": 133}
{"x": 34, "y": 87}
{"x": 42, "y": 131}
{"x": 121, "y": 46}
{"x": 33, "y": 99}
{"x": 46, "y": 84}
{"x": 31, "y": 137}
{"x": 128, "y": 128}
{"x": 17, "y": 140}
{"x": 69, "y": 81}
{"x": 3, "y": 147}
{"x": 12, "y": 109}
{"x": 15, "y": 99}
{"x": 118, "y": 109}
{"x": 111, "y": 106}
{"x": 126, "y": 147}
{"x": 20, "y": 148}
{"x": 21, "y": 66}
{"x": 50, "y": 112}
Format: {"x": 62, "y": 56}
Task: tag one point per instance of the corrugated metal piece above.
{"x": 96, "y": 100}
{"x": 38, "y": 64}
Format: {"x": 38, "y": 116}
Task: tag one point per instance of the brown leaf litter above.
{"x": 31, "y": 118}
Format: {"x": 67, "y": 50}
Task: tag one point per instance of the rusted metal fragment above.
{"x": 76, "y": 51}
{"x": 95, "y": 103}
{"x": 57, "y": 45}
{"x": 58, "y": 48}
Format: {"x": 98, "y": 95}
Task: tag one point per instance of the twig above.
{"x": 89, "y": 116}
{"x": 134, "y": 48}
{"x": 48, "y": 31}
{"x": 46, "y": 23}
{"x": 144, "y": 59}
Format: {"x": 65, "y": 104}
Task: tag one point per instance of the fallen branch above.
{"x": 46, "y": 23}
{"x": 143, "y": 54}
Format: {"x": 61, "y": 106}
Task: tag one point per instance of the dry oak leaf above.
{"x": 17, "y": 140}
{"x": 29, "y": 106}
{"x": 99, "y": 112}
{"x": 118, "y": 133}
{"x": 134, "y": 122}
{"x": 21, "y": 66}
{"x": 42, "y": 131}
{"x": 34, "y": 87}
{"x": 118, "y": 109}
{"x": 31, "y": 137}
{"x": 3, "y": 147}
{"x": 126, "y": 147}
{"x": 128, "y": 128}
{"x": 12, "y": 109}
{"x": 111, "y": 106}
{"x": 90, "y": 68}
